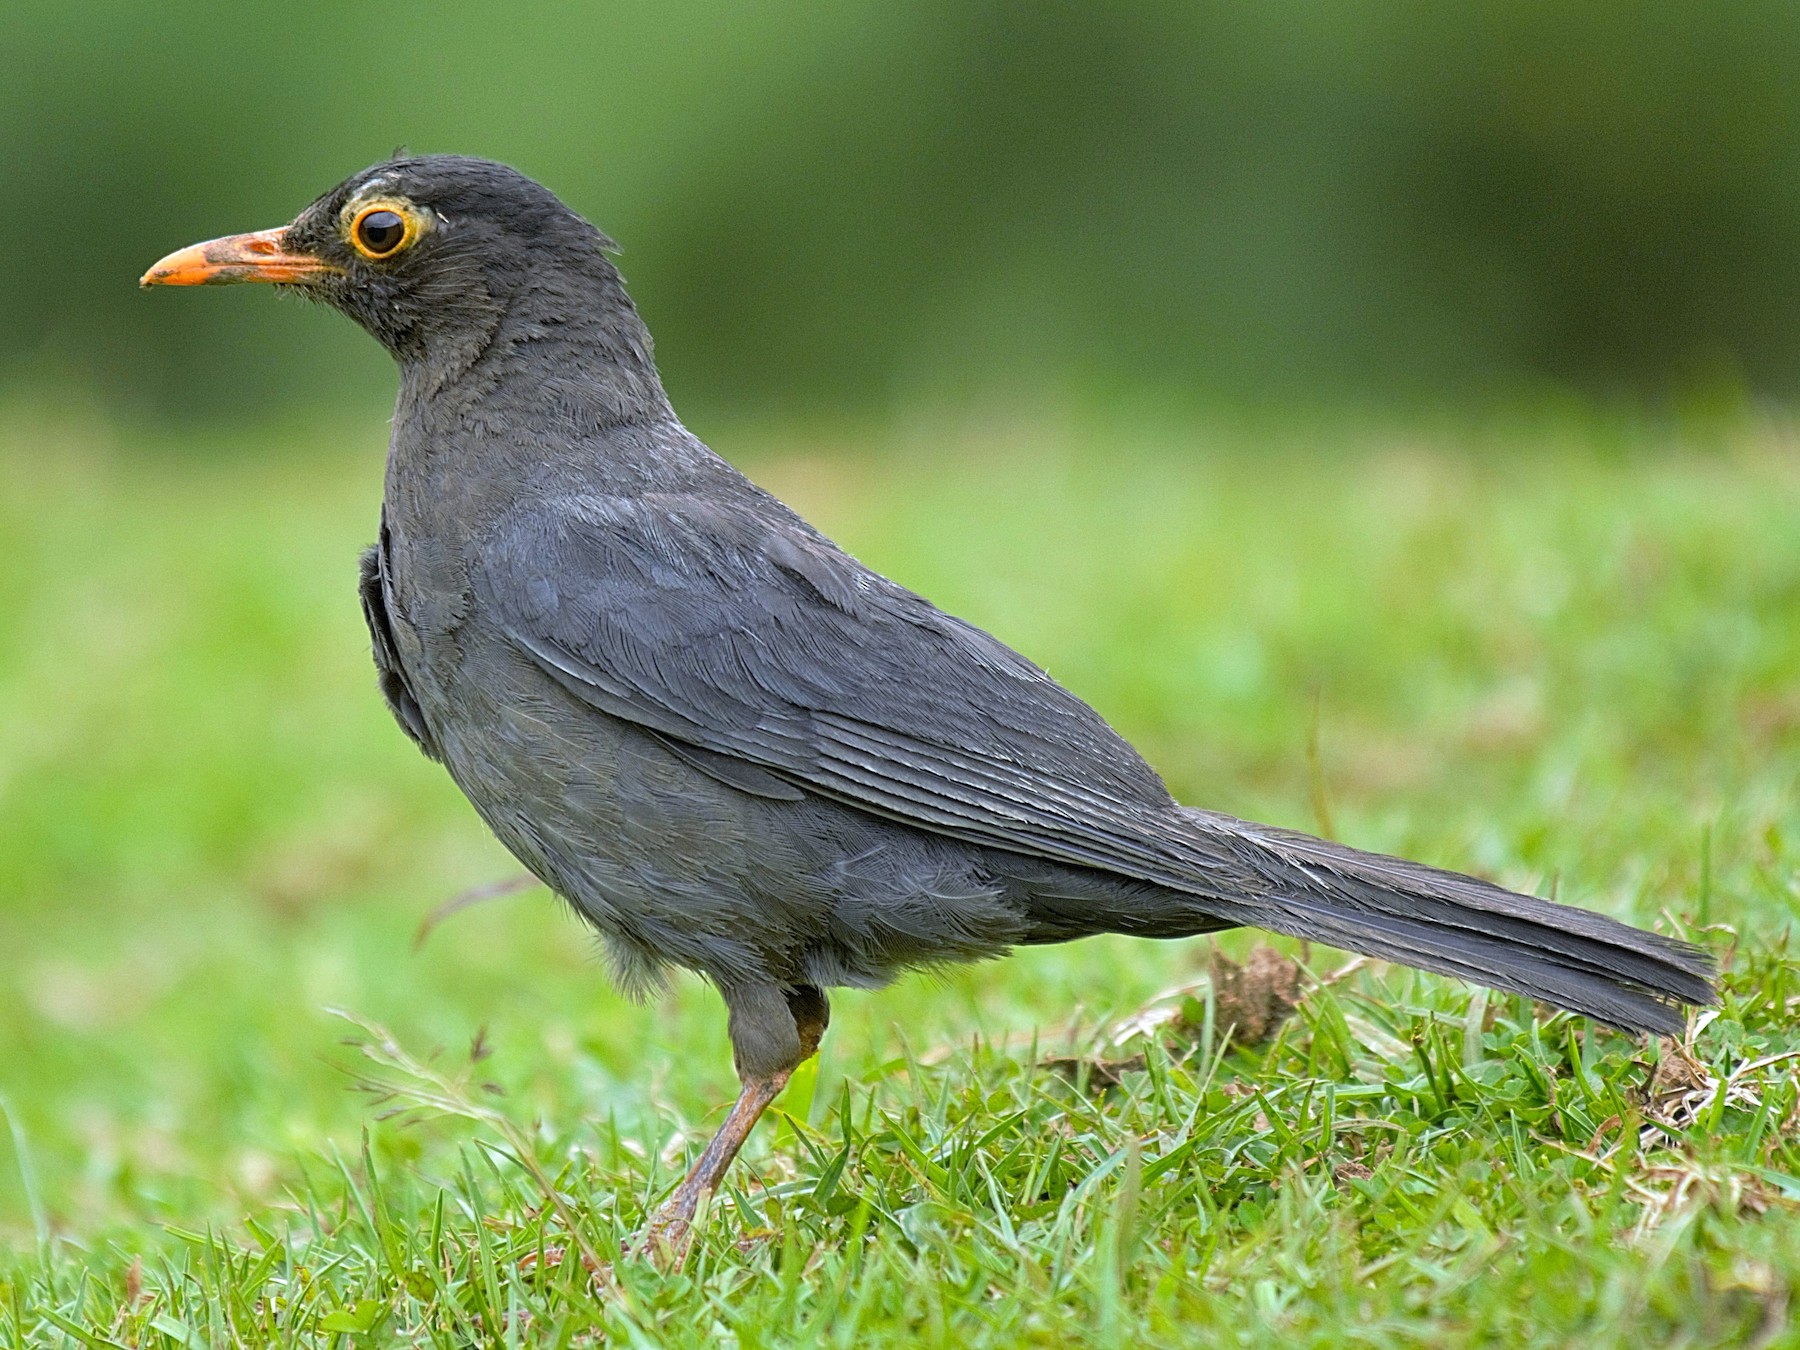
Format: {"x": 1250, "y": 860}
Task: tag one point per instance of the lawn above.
{"x": 244, "y": 1103}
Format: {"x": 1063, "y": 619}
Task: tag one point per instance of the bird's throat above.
{"x": 581, "y": 362}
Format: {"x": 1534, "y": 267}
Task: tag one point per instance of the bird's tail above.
{"x": 1456, "y": 925}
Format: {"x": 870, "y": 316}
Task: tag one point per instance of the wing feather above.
{"x": 748, "y": 635}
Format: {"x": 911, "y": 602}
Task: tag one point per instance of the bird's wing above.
{"x": 735, "y": 628}
{"x": 372, "y": 586}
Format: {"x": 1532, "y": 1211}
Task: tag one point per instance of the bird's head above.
{"x": 427, "y": 253}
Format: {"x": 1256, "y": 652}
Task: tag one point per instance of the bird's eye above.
{"x": 379, "y": 232}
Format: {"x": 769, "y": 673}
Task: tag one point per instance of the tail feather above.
{"x": 1458, "y": 925}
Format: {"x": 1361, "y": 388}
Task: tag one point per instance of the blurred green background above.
{"x": 860, "y": 205}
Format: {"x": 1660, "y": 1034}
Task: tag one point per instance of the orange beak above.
{"x": 262, "y": 256}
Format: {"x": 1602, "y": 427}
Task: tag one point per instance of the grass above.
{"x": 1562, "y": 652}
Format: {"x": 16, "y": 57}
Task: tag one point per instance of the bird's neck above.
{"x": 564, "y": 352}
{"x": 556, "y": 387}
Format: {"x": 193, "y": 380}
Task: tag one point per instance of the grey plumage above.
{"x": 732, "y": 747}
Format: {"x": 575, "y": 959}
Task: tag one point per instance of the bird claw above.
{"x": 664, "y": 1241}
{"x": 601, "y": 1272}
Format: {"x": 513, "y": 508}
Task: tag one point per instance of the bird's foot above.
{"x": 666, "y": 1237}
{"x": 553, "y": 1257}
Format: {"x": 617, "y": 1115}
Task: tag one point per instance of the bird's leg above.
{"x": 773, "y": 1030}
{"x": 669, "y": 1227}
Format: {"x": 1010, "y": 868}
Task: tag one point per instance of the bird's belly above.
{"x": 672, "y": 865}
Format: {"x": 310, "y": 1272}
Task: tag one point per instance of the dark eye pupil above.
{"x": 381, "y": 231}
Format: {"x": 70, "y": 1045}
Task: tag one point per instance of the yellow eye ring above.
{"x": 381, "y": 230}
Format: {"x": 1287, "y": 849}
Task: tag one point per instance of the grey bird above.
{"x": 729, "y": 745}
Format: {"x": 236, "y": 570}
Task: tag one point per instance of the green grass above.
{"x": 1565, "y": 653}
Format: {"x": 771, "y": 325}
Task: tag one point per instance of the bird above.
{"x": 730, "y": 746}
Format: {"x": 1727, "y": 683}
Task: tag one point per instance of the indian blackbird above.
{"x": 728, "y": 744}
